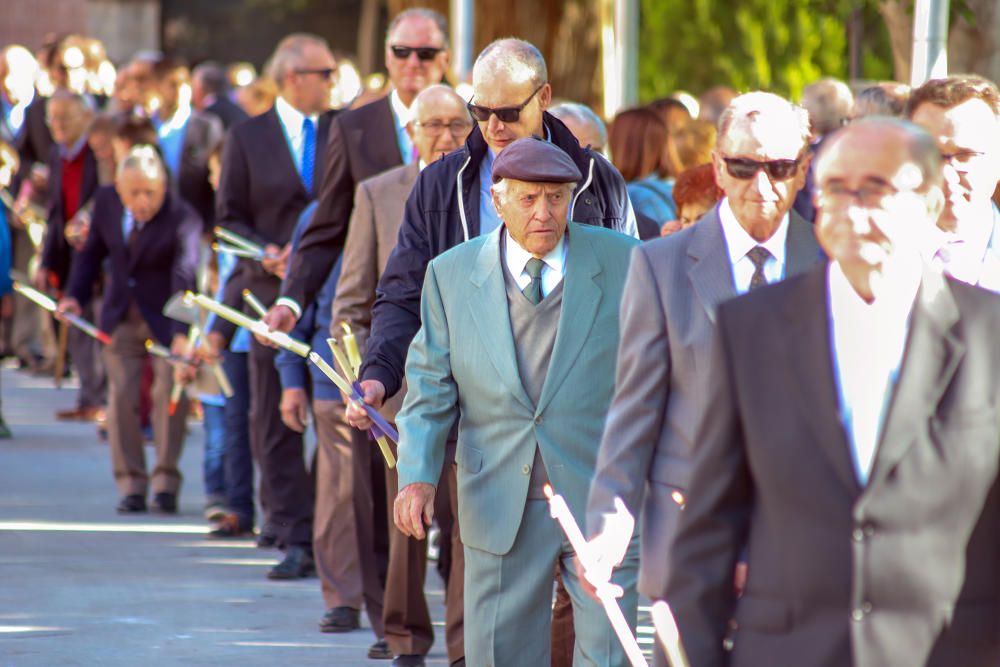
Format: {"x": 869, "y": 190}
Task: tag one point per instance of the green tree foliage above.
{"x": 777, "y": 45}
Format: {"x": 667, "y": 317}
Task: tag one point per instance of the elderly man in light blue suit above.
{"x": 519, "y": 334}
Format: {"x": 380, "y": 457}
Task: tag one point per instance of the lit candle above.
{"x": 669, "y": 635}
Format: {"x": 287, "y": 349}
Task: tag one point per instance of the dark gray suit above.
{"x": 902, "y": 571}
{"x": 668, "y": 319}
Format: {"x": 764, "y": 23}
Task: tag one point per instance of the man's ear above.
{"x": 935, "y": 202}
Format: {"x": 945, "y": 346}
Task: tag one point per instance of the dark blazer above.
{"x": 261, "y": 197}
{"x": 226, "y": 111}
{"x": 34, "y": 141}
{"x": 443, "y": 211}
{"x": 362, "y": 144}
{"x": 162, "y": 263}
{"x": 57, "y": 254}
{"x": 902, "y": 571}
{"x": 203, "y": 132}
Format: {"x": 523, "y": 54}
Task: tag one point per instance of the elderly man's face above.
{"x": 535, "y": 213}
{"x": 441, "y": 125}
{"x": 141, "y": 193}
{"x": 67, "y": 120}
{"x": 760, "y": 199}
{"x": 497, "y": 91}
{"x": 871, "y": 201}
{"x": 967, "y": 135}
{"x": 412, "y": 38}
{"x": 312, "y": 80}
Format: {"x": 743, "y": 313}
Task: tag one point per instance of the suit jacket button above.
{"x": 526, "y": 469}
{"x": 858, "y": 615}
{"x": 866, "y": 607}
{"x": 538, "y": 419}
{"x": 858, "y": 535}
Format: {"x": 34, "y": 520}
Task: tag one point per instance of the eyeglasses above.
{"x": 870, "y": 195}
{"x": 458, "y": 128}
{"x": 503, "y": 114}
{"x": 961, "y": 157}
{"x": 323, "y": 72}
{"x": 744, "y": 169}
{"x": 424, "y": 53}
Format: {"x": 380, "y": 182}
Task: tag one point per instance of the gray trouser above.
{"x": 86, "y": 354}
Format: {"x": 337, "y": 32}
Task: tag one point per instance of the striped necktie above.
{"x": 308, "y": 153}
{"x": 759, "y": 256}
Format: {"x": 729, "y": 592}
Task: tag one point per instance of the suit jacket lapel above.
{"x": 711, "y": 273}
{"x": 802, "y": 252}
{"x": 322, "y": 133}
{"x": 490, "y": 312}
{"x": 810, "y": 361}
{"x": 581, "y": 301}
{"x": 933, "y": 352}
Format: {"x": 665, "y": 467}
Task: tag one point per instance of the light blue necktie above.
{"x": 308, "y": 153}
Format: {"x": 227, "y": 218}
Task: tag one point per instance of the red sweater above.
{"x": 72, "y": 182}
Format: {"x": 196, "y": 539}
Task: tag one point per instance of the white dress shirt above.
{"x": 965, "y": 258}
{"x": 867, "y": 341}
{"x": 517, "y": 258}
{"x": 291, "y": 121}
{"x": 739, "y": 243}
{"x": 401, "y": 113}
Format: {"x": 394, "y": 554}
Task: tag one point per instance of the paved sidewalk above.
{"x": 81, "y": 585}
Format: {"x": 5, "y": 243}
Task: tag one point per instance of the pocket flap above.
{"x": 469, "y": 458}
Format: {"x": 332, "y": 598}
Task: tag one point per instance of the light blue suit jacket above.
{"x": 463, "y": 361}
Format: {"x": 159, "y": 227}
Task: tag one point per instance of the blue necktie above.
{"x": 308, "y": 153}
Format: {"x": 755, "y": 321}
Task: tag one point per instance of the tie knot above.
{"x": 758, "y": 255}
{"x": 534, "y": 268}
{"x": 308, "y": 125}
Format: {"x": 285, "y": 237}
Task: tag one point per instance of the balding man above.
{"x": 149, "y": 240}
{"x": 271, "y": 168}
{"x": 519, "y": 331}
{"x": 439, "y": 123}
{"x": 830, "y": 104}
{"x": 585, "y": 125}
{"x": 852, "y": 444}
{"x": 668, "y": 320}
{"x": 210, "y": 93}
{"x": 962, "y": 113}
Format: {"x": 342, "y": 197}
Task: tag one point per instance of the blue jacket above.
{"x": 443, "y": 211}
{"x": 313, "y": 328}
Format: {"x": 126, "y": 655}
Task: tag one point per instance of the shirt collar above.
{"x": 291, "y": 117}
{"x": 517, "y": 257}
{"x": 892, "y": 307}
{"x": 399, "y": 110}
{"x": 175, "y": 122}
{"x": 739, "y": 242}
{"x": 70, "y": 153}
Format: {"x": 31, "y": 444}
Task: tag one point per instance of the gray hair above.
{"x": 920, "y": 145}
{"x": 582, "y": 114}
{"x": 144, "y": 159}
{"x": 520, "y": 60}
{"x": 213, "y": 77}
{"x": 775, "y": 108}
{"x": 84, "y": 102}
{"x": 439, "y": 21}
{"x": 829, "y": 103}
{"x": 290, "y": 52}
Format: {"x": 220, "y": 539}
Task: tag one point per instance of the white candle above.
{"x": 669, "y": 635}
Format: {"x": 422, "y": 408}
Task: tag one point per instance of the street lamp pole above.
{"x": 930, "y": 41}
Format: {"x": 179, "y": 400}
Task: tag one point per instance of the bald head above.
{"x": 439, "y": 122}
{"x": 518, "y": 62}
{"x": 434, "y": 98}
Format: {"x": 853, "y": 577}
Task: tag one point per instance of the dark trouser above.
{"x": 408, "y": 628}
{"x": 237, "y": 459}
{"x": 284, "y": 479}
{"x": 563, "y": 634}
{"x": 370, "y": 519}
{"x": 125, "y": 357}
{"x": 86, "y": 355}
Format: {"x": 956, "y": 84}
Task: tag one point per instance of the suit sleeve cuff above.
{"x": 291, "y": 305}
{"x": 383, "y": 375}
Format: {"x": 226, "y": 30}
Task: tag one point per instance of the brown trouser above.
{"x": 408, "y": 627}
{"x": 335, "y": 543}
{"x": 124, "y": 359}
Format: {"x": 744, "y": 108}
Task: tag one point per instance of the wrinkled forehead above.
{"x": 764, "y": 135}
{"x": 881, "y": 156}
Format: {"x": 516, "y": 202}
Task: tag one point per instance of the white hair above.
{"x": 581, "y": 114}
{"x": 502, "y": 187}
{"x": 144, "y": 159}
{"x": 760, "y": 106}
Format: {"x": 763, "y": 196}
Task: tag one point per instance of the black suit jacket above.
{"x": 162, "y": 262}
{"x": 203, "y": 132}
{"x": 57, "y": 254}
{"x": 362, "y": 144}
{"x": 226, "y": 111}
{"x": 902, "y": 571}
{"x": 261, "y": 197}
{"x": 34, "y": 141}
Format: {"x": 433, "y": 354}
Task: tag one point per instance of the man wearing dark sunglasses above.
{"x": 962, "y": 113}
{"x": 668, "y": 320}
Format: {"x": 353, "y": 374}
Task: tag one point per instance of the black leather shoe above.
{"x": 267, "y": 539}
{"x": 298, "y": 564}
{"x": 408, "y": 661}
{"x": 459, "y": 663}
{"x": 340, "y": 619}
{"x": 131, "y": 504}
{"x": 379, "y": 651}
{"x": 165, "y": 503}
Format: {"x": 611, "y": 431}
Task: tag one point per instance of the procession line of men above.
{"x": 804, "y": 419}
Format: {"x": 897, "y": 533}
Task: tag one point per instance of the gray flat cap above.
{"x": 537, "y": 161}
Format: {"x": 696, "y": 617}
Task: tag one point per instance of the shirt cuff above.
{"x": 291, "y": 305}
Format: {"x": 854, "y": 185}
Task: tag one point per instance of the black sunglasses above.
{"x": 744, "y": 169}
{"x": 324, "y": 72}
{"x": 424, "y": 53}
{"x": 503, "y": 114}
